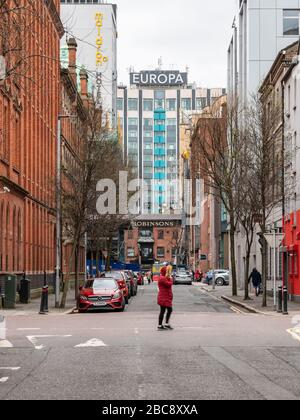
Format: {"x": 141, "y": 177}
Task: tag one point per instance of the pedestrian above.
{"x": 256, "y": 280}
{"x": 197, "y": 275}
{"x": 165, "y": 298}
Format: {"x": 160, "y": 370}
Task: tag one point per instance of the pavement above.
{"x": 34, "y": 307}
{"x": 215, "y": 352}
{"x": 253, "y": 305}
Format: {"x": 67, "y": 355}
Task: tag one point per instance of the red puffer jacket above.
{"x": 165, "y": 294}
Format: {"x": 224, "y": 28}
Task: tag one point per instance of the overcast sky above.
{"x": 193, "y": 33}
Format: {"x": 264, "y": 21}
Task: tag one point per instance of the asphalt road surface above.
{"x": 214, "y": 352}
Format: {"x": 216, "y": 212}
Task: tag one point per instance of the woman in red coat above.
{"x": 165, "y": 299}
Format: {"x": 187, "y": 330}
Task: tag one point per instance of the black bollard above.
{"x": 280, "y": 297}
{"x": 44, "y": 301}
{"x": 285, "y": 301}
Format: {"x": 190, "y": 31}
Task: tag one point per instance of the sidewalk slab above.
{"x": 254, "y": 305}
{"x": 33, "y": 308}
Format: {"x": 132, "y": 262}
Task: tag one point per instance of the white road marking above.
{"x": 10, "y": 368}
{"x": 33, "y": 339}
{"x": 5, "y": 344}
{"x": 28, "y": 329}
{"x": 95, "y": 342}
{"x": 4, "y": 379}
{"x": 295, "y": 333}
{"x": 136, "y": 331}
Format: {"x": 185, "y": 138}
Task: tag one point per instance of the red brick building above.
{"x": 153, "y": 238}
{"x": 29, "y": 102}
{"x": 73, "y": 115}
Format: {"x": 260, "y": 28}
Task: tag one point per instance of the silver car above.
{"x": 183, "y": 277}
{"x": 222, "y": 277}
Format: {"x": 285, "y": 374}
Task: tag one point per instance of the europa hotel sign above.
{"x": 158, "y": 78}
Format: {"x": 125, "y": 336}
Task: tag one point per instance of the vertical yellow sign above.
{"x": 100, "y": 58}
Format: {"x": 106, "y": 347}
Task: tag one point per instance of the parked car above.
{"x": 102, "y": 293}
{"x": 221, "y": 277}
{"x": 123, "y": 281}
{"x": 140, "y": 277}
{"x": 133, "y": 282}
{"x": 182, "y": 277}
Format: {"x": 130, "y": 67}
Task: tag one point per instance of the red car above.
{"x": 103, "y": 293}
{"x": 124, "y": 285}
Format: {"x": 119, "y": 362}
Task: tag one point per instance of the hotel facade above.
{"x": 93, "y": 24}
{"x": 151, "y": 111}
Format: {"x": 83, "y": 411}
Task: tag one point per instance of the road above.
{"x": 215, "y": 352}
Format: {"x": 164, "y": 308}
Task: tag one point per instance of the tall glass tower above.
{"x": 150, "y": 112}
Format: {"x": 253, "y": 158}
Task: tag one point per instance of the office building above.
{"x": 94, "y": 26}
{"x": 150, "y": 112}
{"x": 261, "y": 29}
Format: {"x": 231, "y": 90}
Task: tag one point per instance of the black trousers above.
{"x": 163, "y": 310}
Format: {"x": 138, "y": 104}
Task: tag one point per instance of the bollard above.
{"x": 280, "y": 296}
{"x": 44, "y": 301}
{"x": 285, "y": 301}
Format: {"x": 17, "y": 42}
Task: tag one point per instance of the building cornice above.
{"x": 55, "y": 17}
{"x": 13, "y": 186}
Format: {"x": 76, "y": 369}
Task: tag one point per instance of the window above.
{"x": 200, "y": 103}
{"x": 160, "y": 234}
{"x": 159, "y": 104}
{"x": 120, "y": 104}
{"x": 133, "y": 122}
{"x": 291, "y": 20}
{"x": 159, "y": 94}
{"x": 186, "y": 104}
{"x": 171, "y": 104}
{"x": 132, "y": 134}
{"x": 133, "y": 104}
{"x": 161, "y": 252}
{"x": 171, "y": 122}
{"x": 130, "y": 252}
{"x": 148, "y": 105}
{"x": 148, "y": 124}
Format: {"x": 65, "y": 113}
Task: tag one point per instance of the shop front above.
{"x": 292, "y": 246}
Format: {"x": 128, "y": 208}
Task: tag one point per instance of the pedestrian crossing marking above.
{"x": 5, "y": 344}
{"x": 33, "y": 339}
{"x": 295, "y": 333}
{"x": 95, "y": 342}
{"x": 4, "y": 379}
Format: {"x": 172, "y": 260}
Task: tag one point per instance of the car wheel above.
{"x": 220, "y": 282}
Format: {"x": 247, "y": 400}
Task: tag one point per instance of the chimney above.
{"x": 83, "y": 83}
{"x": 72, "y": 46}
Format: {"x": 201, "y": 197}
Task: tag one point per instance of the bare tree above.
{"x": 19, "y": 23}
{"x": 104, "y": 227}
{"x": 264, "y": 136}
{"x": 79, "y": 191}
{"x": 216, "y": 149}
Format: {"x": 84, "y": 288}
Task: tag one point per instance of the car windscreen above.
{"x": 101, "y": 284}
{"x": 115, "y": 275}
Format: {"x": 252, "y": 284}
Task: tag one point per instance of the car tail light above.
{"x": 121, "y": 283}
